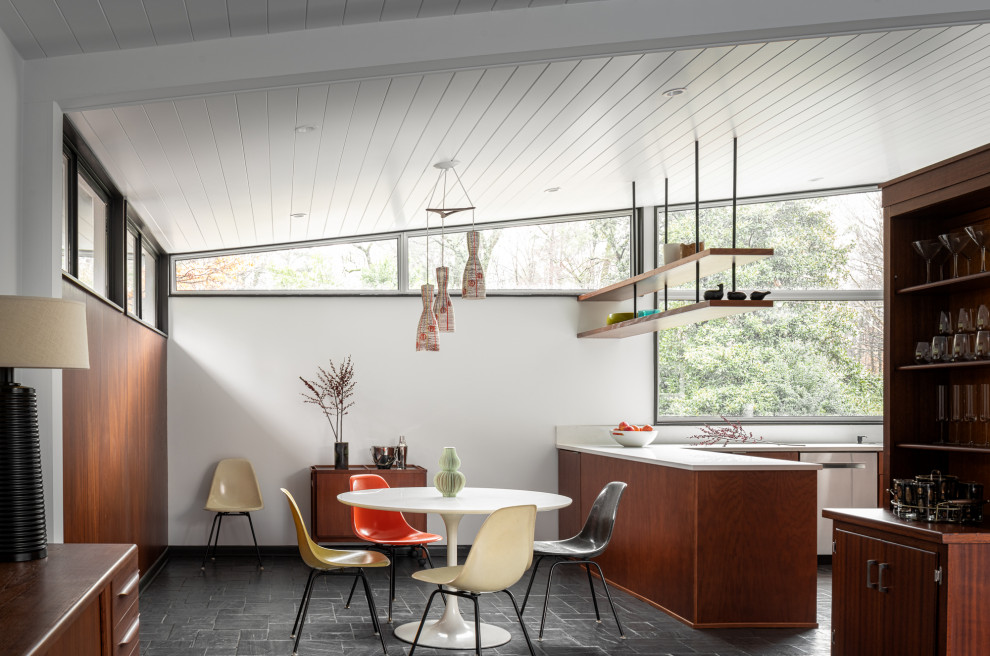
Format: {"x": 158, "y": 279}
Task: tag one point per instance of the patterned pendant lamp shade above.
{"x": 473, "y": 282}
{"x": 442, "y": 307}
{"x": 427, "y": 338}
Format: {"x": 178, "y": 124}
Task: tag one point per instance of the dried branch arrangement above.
{"x": 331, "y": 391}
{"x": 733, "y": 433}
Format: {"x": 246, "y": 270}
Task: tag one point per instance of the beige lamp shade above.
{"x": 42, "y": 333}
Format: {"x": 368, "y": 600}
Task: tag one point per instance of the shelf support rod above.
{"x": 697, "y": 226}
{"x": 734, "y": 195}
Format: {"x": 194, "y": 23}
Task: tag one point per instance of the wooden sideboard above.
{"x": 330, "y": 519}
{"x": 82, "y": 600}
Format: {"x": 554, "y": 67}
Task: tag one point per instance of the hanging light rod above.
{"x": 444, "y": 212}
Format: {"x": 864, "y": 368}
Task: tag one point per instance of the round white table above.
{"x": 451, "y": 631}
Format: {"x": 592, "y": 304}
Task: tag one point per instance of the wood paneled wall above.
{"x": 114, "y": 439}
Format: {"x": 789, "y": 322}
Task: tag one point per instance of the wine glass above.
{"x": 965, "y": 323}
{"x": 980, "y": 237}
{"x": 969, "y": 408}
{"x": 961, "y": 347}
{"x": 982, "y": 348}
{"x": 928, "y": 249}
{"x": 923, "y": 352}
{"x": 941, "y": 412}
{"x": 944, "y": 323}
{"x": 940, "y": 348}
{"x": 982, "y": 318}
{"x": 954, "y": 242}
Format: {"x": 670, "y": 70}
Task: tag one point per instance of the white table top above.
{"x": 469, "y": 501}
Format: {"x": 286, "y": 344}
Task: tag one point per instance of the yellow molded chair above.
{"x": 500, "y": 555}
{"x": 234, "y": 491}
{"x": 331, "y": 561}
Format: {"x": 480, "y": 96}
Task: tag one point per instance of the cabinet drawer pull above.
{"x": 869, "y": 583}
{"x": 129, "y": 586}
{"x": 131, "y": 632}
{"x": 880, "y": 585}
{"x": 843, "y": 465}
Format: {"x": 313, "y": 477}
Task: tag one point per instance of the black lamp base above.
{"x": 23, "y": 535}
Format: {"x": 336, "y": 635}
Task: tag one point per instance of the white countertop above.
{"x": 693, "y": 458}
{"x": 822, "y": 447}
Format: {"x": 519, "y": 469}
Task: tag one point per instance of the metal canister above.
{"x": 945, "y": 485}
{"x": 970, "y": 490}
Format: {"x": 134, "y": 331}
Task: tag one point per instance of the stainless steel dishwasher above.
{"x": 847, "y": 479}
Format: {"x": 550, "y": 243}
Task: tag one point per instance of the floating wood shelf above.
{"x": 711, "y": 261}
{"x": 945, "y": 365}
{"x": 947, "y": 447}
{"x": 972, "y": 281}
{"x": 682, "y": 316}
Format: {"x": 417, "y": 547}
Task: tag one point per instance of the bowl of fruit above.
{"x": 630, "y": 435}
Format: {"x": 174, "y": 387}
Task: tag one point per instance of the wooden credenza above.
{"x": 330, "y": 519}
{"x": 80, "y": 601}
{"x": 903, "y": 588}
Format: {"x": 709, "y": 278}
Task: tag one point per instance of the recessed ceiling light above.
{"x": 670, "y": 93}
{"x": 298, "y": 215}
{"x": 551, "y": 190}
{"x": 303, "y": 129}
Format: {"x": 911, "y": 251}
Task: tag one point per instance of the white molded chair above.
{"x": 234, "y": 491}
{"x": 500, "y": 555}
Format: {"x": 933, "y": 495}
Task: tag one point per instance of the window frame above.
{"x": 402, "y": 254}
{"x": 809, "y": 295}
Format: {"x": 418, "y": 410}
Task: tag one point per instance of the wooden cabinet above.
{"x": 907, "y": 588}
{"x": 942, "y": 198}
{"x": 80, "y": 601}
{"x": 331, "y": 520}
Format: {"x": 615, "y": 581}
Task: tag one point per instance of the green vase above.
{"x": 448, "y": 480}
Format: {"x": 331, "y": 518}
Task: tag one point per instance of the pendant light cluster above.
{"x": 438, "y": 311}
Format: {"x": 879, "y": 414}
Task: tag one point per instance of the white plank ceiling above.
{"x": 51, "y": 28}
{"x": 227, "y": 171}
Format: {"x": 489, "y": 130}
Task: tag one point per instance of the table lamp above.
{"x": 35, "y": 333}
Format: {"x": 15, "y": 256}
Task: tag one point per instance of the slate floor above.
{"x": 233, "y": 608}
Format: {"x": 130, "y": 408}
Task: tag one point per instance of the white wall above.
{"x": 10, "y": 100}
{"x": 496, "y": 390}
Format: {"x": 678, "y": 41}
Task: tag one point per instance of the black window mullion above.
{"x": 72, "y": 209}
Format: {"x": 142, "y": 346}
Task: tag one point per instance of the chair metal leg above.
{"x": 353, "y": 586}
{"x": 422, "y": 622}
{"x": 304, "y": 610}
{"x": 216, "y": 542}
{"x": 256, "y": 549}
{"x": 209, "y": 541}
{"x": 391, "y": 580}
{"x": 609, "y": 597}
{"x": 532, "y": 578}
{"x": 477, "y": 625}
{"x": 374, "y": 611}
{"x": 594, "y": 599}
{"x": 529, "y": 643}
{"x": 309, "y": 583}
{"x": 546, "y": 600}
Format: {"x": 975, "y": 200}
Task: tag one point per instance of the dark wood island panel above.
{"x": 714, "y": 548}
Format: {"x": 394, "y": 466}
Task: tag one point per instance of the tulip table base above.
{"x": 451, "y": 631}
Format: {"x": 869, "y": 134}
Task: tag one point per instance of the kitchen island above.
{"x": 716, "y": 540}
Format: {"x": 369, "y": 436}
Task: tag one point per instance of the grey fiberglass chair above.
{"x": 580, "y": 549}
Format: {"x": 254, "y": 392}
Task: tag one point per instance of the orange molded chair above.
{"x": 324, "y": 561}
{"x": 234, "y": 491}
{"x": 385, "y": 528}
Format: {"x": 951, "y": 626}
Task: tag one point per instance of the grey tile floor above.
{"x": 233, "y": 608}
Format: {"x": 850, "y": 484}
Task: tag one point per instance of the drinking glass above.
{"x": 954, "y": 242}
{"x": 941, "y": 411}
{"x": 944, "y": 323}
{"x": 956, "y": 414}
{"x": 940, "y": 348}
{"x": 982, "y": 318}
{"x": 923, "y": 352}
{"x": 965, "y": 323}
{"x": 980, "y": 237}
{"x": 982, "y": 348}
{"x": 969, "y": 409}
{"x": 928, "y": 249}
{"x": 985, "y": 410}
{"x": 961, "y": 347}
